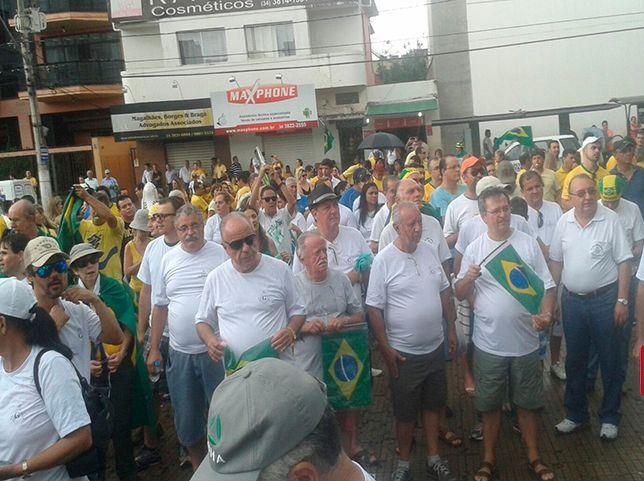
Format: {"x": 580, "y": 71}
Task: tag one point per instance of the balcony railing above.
{"x": 66, "y": 74}
{"x": 60, "y": 6}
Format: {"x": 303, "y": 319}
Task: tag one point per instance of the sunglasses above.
{"x": 85, "y": 261}
{"x": 47, "y": 270}
{"x": 161, "y": 217}
{"x": 238, "y": 244}
{"x": 272, "y": 198}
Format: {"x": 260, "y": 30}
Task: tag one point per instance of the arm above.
{"x": 290, "y": 200}
{"x": 555, "y": 270}
{"x": 115, "y": 360}
{"x": 637, "y": 249}
{"x": 144, "y": 310}
{"x": 451, "y": 240}
{"x": 390, "y": 355}
{"x": 212, "y": 341}
{"x": 111, "y": 332}
{"x": 101, "y": 209}
{"x": 254, "y": 192}
{"x": 464, "y": 288}
{"x": 639, "y": 318}
{"x": 129, "y": 268}
{"x": 449, "y": 314}
{"x": 623, "y": 280}
{"x": 159, "y": 320}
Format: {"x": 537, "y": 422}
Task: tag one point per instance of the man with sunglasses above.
{"x": 79, "y": 314}
{"x": 590, "y": 255}
{"x": 590, "y": 153}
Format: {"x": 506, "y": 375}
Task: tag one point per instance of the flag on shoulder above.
{"x": 517, "y": 278}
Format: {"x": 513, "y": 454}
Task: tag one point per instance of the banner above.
{"x": 347, "y": 368}
{"x": 264, "y": 108}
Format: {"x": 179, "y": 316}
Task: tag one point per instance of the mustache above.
{"x": 192, "y": 238}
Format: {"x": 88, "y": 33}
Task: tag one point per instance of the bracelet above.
{"x": 292, "y": 333}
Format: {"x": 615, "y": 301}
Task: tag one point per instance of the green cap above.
{"x": 256, "y": 416}
{"x": 611, "y": 187}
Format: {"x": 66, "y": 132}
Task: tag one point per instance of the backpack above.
{"x": 101, "y": 414}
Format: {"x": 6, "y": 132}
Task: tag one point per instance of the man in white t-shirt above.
{"x": 184, "y": 174}
{"x": 249, "y": 299}
{"x": 639, "y": 311}
{"x": 80, "y": 316}
{"x": 192, "y": 375}
{"x": 275, "y": 222}
{"x": 382, "y": 217}
{"x": 347, "y": 217}
{"x": 506, "y": 335}
{"x": 408, "y": 297}
{"x": 591, "y": 256}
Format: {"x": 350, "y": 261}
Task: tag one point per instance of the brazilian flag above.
{"x": 347, "y": 368}
{"x": 328, "y": 140}
{"x": 68, "y": 235}
{"x": 258, "y": 351}
{"x": 522, "y": 135}
{"x": 516, "y": 277}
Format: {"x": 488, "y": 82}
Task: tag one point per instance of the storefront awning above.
{"x": 401, "y": 108}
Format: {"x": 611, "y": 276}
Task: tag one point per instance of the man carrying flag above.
{"x": 504, "y": 271}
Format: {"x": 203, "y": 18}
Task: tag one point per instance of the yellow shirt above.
{"x": 202, "y": 204}
{"x": 378, "y": 183}
{"x": 108, "y": 240}
{"x": 198, "y": 172}
{"x": 3, "y": 226}
{"x": 429, "y": 190}
{"x": 348, "y": 174}
{"x": 115, "y": 210}
{"x": 135, "y": 283}
{"x": 596, "y": 176}
{"x": 241, "y": 193}
{"x": 219, "y": 171}
{"x": 561, "y": 176}
{"x": 33, "y": 180}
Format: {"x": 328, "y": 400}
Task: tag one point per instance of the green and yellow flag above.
{"x": 327, "y": 139}
{"x": 258, "y": 351}
{"x": 516, "y": 277}
{"x": 68, "y": 234}
{"x": 347, "y": 368}
{"x": 522, "y": 135}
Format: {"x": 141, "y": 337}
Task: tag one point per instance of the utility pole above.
{"x": 29, "y": 21}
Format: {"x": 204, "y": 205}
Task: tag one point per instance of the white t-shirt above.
{"x": 365, "y": 229}
{"x": 91, "y": 183}
{"x": 212, "y": 231}
{"x": 458, "y": 211}
{"x": 299, "y": 221}
{"x": 432, "y": 234}
{"x": 277, "y": 228}
{"x": 475, "y": 226}
{"x": 184, "y": 275}
{"x": 367, "y": 476}
{"x": 550, "y": 212}
{"x": 356, "y": 203}
{"x": 631, "y": 219}
{"x": 347, "y": 218}
{"x": 184, "y": 173}
{"x": 590, "y": 255}
{"x": 502, "y": 326}
{"x": 30, "y": 423}
{"x": 407, "y": 288}
{"x": 82, "y": 327}
{"x": 379, "y": 222}
{"x": 247, "y": 308}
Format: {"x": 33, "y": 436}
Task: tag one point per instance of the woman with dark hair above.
{"x": 40, "y": 432}
{"x": 266, "y": 245}
{"x": 367, "y": 209}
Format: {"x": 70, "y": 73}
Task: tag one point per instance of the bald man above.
{"x": 22, "y": 215}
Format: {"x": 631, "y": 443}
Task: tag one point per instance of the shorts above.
{"x": 421, "y": 385}
{"x": 192, "y": 378}
{"x": 495, "y": 376}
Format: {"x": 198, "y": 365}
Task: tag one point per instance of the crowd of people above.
{"x": 216, "y": 288}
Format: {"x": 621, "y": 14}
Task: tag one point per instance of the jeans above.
{"x": 587, "y": 320}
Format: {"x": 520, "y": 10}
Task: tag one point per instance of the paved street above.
{"x": 581, "y": 457}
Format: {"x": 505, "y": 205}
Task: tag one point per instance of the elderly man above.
{"x": 632, "y": 174}
{"x": 91, "y": 181}
{"x": 590, "y": 154}
{"x": 408, "y": 297}
{"x": 506, "y": 335}
{"x": 248, "y": 300}
{"x": 590, "y": 254}
{"x": 383, "y": 216}
{"x": 192, "y": 375}
{"x": 79, "y": 314}
{"x": 22, "y": 215}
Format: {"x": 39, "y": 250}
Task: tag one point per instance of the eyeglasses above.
{"x": 592, "y": 192}
{"x": 539, "y": 219}
{"x": 272, "y": 198}
{"x": 500, "y": 210}
{"x": 161, "y": 217}
{"x": 185, "y": 228}
{"x": 239, "y": 243}
{"x": 85, "y": 261}
{"x": 45, "y": 271}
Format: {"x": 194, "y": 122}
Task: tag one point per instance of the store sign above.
{"x": 133, "y": 10}
{"x": 265, "y": 108}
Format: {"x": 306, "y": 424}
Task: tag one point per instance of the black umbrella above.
{"x": 381, "y": 140}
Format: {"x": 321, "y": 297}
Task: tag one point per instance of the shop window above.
{"x": 205, "y": 46}
{"x": 272, "y": 40}
{"x": 347, "y": 98}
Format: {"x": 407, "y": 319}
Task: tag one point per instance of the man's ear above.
{"x": 304, "y": 471}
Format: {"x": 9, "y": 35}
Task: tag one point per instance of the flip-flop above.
{"x": 539, "y": 474}
{"x": 450, "y": 438}
{"x": 488, "y": 475}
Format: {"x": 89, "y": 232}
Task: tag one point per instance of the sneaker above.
{"x": 401, "y": 474}
{"x": 146, "y": 458}
{"x": 608, "y": 432}
{"x": 440, "y": 471}
{"x": 476, "y": 434}
{"x": 184, "y": 458}
{"x": 568, "y": 426}
{"x": 558, "y": 370}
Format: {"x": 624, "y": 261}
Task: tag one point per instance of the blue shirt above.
{"x": 634, "y": 189}
{"x": 349, "y": 197}
{"x": 302, "y": 203}
{"x": 440, "y": 199}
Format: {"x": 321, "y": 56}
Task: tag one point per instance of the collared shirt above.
{"x": 631, "y": 220}
{"x": 598, "y": 175}
{"x": 634, "y": 188}
{"x": 551, "y": 186}
{"x": 590, "y": 254}
{"x": 544, "y": 220}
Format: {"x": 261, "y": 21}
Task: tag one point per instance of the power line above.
{"x": 330, "y": 64}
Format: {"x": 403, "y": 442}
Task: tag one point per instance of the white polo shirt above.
{"x": 590, "y": 255}
{"x": 550, "y": 214}
{"x": 630, "y": 217}
{"x": 432, "y": 234}
{"x": 407, "y": 288}
{"x": 458, "y": 211}
{"x": 347, "y": 218}
{"x": 475, "y": 227}
{"x": 379, "y": 223}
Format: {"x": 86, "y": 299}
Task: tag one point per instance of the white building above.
{"x": 554, "y": 85}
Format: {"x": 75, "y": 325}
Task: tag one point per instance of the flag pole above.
{"x": 493, "y": 252}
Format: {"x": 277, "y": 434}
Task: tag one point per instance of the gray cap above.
{"x": 505, "y": 172}
{"x": 81, "y": 250}
{"x": 256, "y": 416}
{"x": 140, "y": 221}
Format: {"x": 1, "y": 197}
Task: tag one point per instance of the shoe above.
{"x": 184, "y": 458}
{"x": 401, "y": 474}
{"x": 476, "y": 434}
{"x": 608, "y": 432}
{"x": 568, "y": 426}
{"x": 440, "y": 471}
{"x": 558, "y": 370}
{"x": 146, "y": 458}
{"x": 375, "y": 372}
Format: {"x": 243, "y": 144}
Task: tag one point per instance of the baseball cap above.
{"x": 471, "y": 161}
{"x": 505, "y": 172}
{"x": 611, "y": 187}
{"x": 623, "y": 145}
{"x": 81, "y": 250}
{"x": 459, "y": 145}
{"x": 321, "y": 193}
{"x": 140, "y": 221}
{"x": 39, "y": 250}
{"x": 588, "y": 141}
{"x": 107, "y": 171}
{"x": 17, "y": 299}
{"x": 256, "y": 416}
{"x": 487, "y": 183}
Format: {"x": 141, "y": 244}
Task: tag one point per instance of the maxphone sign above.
{"x": 264, "y": 108}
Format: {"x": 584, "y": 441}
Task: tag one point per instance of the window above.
{"x": 206, "y": 46}
{"x": 347, "y": 98}
{"x": 273, "y": 40}
{"x": 80, "y": 48}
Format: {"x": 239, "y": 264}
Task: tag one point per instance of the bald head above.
{"x": 409, "y": 191}
{"x": 234, "y": 225}
{"x": 22, "y": 215}
{"x": 405, "y": 210}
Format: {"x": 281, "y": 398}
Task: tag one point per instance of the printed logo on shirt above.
{"x": 16, "y": 417}
{"x": 598, "y": 249}
{"x": 266, "y": 297}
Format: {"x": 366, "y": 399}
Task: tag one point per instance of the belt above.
{"x": 596, "y": 293}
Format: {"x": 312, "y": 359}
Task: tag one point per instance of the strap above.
{"x": 36, "y": 368}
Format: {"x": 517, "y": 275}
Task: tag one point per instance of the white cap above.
{"x": 588, "y": 141}
{"x": 16, "y": 298}
{"x": 487, "y": 182}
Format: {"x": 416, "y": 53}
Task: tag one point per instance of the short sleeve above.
{"x": 621, "y": 248}
{"x": 450, "y": 227}
{"x": 377, "y": 227}
{"x": 207, "y": 312}
{"x": 159, "y": 295}
{"x": 387, "y": 237}
{"x": 540, "y": 265}
{"x": 556, "y": 244}
{"x": 565, "y": 188}
{"x": 93, "y": 322}
{"x": 294, "y": 303}
{"x": 119, "y": 230}
{"x": 351, "y": 219}
{"x": 354, "y": 305}
{"x": 638, "y": 226}
{"x": 465, "y": 263}
{"x": 144, "y": 274}
{"x": 377, "y": 291}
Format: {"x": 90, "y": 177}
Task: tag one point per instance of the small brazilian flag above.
{"x": 516, "y": 277}
{"x": 258, "y": 351}
{"x": 347, "y": 368}
{"x": 68, "y": 234}
{"x": 328, "y": 140}
{"x": 522, "y": 135}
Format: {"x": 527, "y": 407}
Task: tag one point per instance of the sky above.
{"x": 399, "y": 22}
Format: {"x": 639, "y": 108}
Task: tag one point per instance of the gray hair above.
{"x": 388, "y": 180}
{"x": 402, "y": 206}
{"x": 321, "y": 448}
{"x": 490, "y": 193}
{"x": 188, "y": 210}
{"x": 232, "y": 216}
{"x": 290, "y": 181}
{"x": 27, "y": 208}
{"x": 301, "y": 241}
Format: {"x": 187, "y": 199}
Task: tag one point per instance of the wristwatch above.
{"x": 25, "y": 470}
{"x": 622, "y": 301}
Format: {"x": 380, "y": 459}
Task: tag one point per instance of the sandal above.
{"x": 540, "y": 473}
{"x": 365, "y": 459}
{"x": 450, "y": 438}
{"x": 487, "y": 472}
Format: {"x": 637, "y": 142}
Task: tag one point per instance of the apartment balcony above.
{"x": 83, "y": 80}
{"x": 74, "y": 16}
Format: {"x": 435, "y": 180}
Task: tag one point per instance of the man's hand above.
{"x": 154, "y": 356}
{"x": 285, "y": 256}
{"x": 621, "y": 314}
{"x": 283, "y": 339}
{"x": 354, "y": 277}
{"x": 216, "y": 348}
{"x": 392, "y": 358}
{"x": 80, "y": 192}
{"x": 336, "y": 324}
{"x": 78, "y": 295}
{"x": 541, "y": 322}
{"x": 59, "y": 316}
{"x": 96, "y": 368}
{"x": 313, "y": 328}
{"x": 114, "y": 361}
{"x": 473, "y": 273}
{"x": 452, "y": 339}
